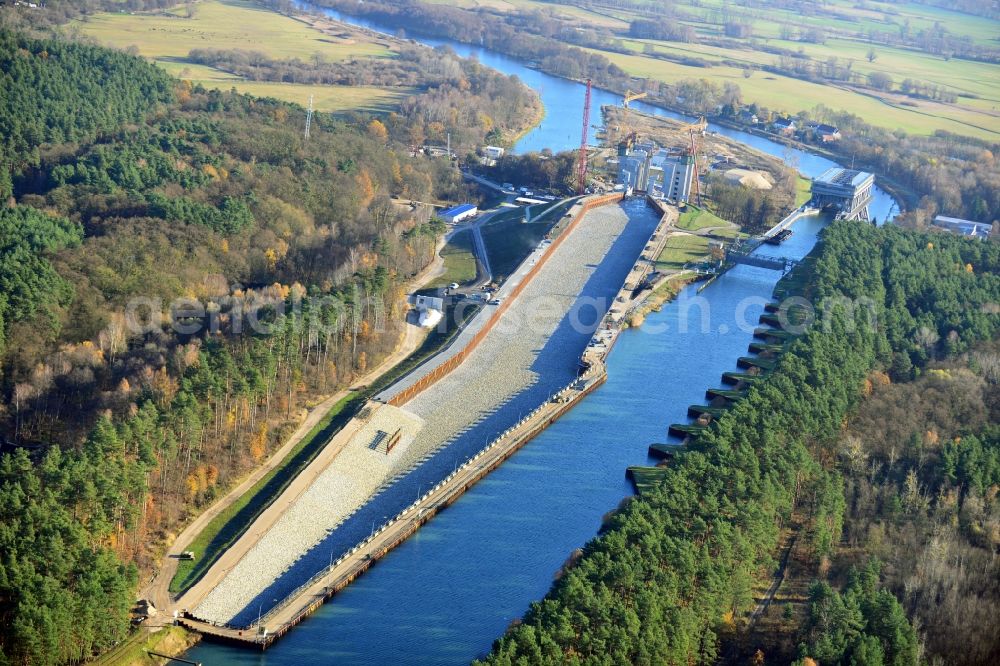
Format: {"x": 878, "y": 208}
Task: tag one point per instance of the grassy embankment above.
{"x": 803, "y": 193}
{"x": 459, "y": 261}
{"x": 135, "y": 651}
{"x": 681, "y": 249}
{"x": 694, "y": 218}
{"x": 509, "y": 240}
{"x": 168, "y": 37}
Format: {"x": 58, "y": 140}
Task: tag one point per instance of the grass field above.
{"x": 681, "y": 249}
{"x": 791, "y": 95}
{"x": 846, "y": 26}
{"x": 845, "y": 16}
{"x": 459, "y": 261}
{"x": 168, "y": 37}
{"x": 694, "y": 218}
{"x": 963, "y": 76}
{"x": 803, "y": 191}
{"x": 223, "y": 24}
{"x": 560, "y": 10}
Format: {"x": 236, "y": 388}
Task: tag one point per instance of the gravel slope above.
{"x": 532, "y": 352}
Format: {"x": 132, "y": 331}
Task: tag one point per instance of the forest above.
{"x": 670, "y": 577}
{"x": 536, "y": 170}
{"x": 182, "y": 272}
{"x": 754, "y": 210}
{"x": 921, "y": 466}
{"x": 497, "y": 106}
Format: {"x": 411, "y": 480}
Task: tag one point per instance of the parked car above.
{"x": 495, "y": 301}
{"x": 453, "y": 285}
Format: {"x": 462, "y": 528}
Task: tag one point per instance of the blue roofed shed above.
{"x": 459, "y": 213}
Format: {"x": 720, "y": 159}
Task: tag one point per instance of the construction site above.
{"x": 512, "y": 360}
{"x": 537, "y": 347}
{"x": 627, "y": 131}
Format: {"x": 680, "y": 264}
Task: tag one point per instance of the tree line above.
{"x": 754, "y": 210}
{"x": 673, "y": 569}
{"x": 514, "y": 34}
{"x": 963, "y": 181}
{"x": 961, "y": 178}
{"x": 497, "y": 106}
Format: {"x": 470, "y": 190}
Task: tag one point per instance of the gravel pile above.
{"x": 532, "y": 352}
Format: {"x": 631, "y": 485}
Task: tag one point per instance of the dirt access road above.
{"x": 158, "y": 589}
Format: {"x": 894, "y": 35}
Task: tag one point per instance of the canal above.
{"x": 443, "y": 596}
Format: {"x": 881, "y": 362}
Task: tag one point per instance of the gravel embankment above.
{"x": 345, "y": 484}
{"x": 532, "y": 352}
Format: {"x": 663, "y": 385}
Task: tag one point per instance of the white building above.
{"x": 633, "y": 171}
{"x": 459, "y": 213}
{"x": 678, "y": 176}
{"x": 430, "y": 310}
{"x": 658, "y": 172}
{"x": 493, "y": 152}
{"x": 964, "y": 227}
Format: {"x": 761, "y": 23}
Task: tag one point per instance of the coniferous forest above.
{"x": 672, "y": 574}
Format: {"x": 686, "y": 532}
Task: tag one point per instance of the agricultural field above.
{"x": 167, "y": 38}
{"x": 844, "y": 16}
{"x": 562, "y": 11}
{"x": 784, "y": 93}
{"x": 847, "y": 32}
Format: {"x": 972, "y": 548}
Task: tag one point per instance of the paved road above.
{"x": 483, "y": 181}
{"x": 157, "y": 591}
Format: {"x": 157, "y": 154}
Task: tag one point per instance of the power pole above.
{"x": 309, "y": 117}
{"x": 581, "y": 169}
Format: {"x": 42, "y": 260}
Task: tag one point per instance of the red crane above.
{"x": 581, "y": 167}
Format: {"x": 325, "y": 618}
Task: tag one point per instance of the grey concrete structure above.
{"x": 845, "y": 190}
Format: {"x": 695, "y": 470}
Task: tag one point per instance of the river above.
{"x": 444, "y": 595}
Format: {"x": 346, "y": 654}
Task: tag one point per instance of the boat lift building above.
{"x": 847, "y": 191}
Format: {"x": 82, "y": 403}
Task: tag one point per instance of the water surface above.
{"x": 445, "y": 594}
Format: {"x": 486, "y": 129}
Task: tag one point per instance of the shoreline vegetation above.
{"x": 166, "y": 171}
{"x": 687, "y": 554}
